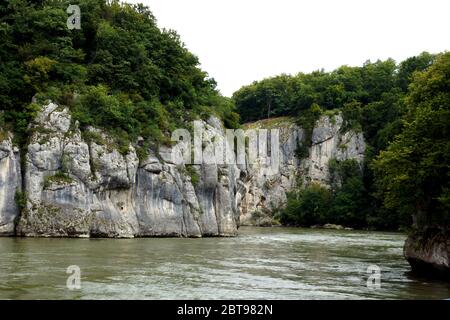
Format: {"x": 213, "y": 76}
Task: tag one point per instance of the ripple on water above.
{"x": 262, "y": 263}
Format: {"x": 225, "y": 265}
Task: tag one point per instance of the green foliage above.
{"x": 410, "y": 66}
{"x": 412, "y": 174}
{"x": 195, "y": 178}
{"x": 307, "y": 120}
{"x": 350, "y": 199}
{"x": 352, "y": 116}
{"x": 267, "y": 98}
{"x": 59, "y": 177}
{"x": 306, "y": 207}
{"x": 119, "y": 72}
{"x": 21, "y": 199}
{"x": 192, "y": 173}
{"x": 3, "y": 133}
{"x": 290, "y": 95}
{"x": 346, "y": 202}
{"x": 302, "y": 150}
{"x": 38, "y": 71}
{"x": 225, "y": 109}
{"x": 369, "y": 97}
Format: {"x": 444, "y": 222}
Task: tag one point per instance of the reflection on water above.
{"x": 262, "y": 263}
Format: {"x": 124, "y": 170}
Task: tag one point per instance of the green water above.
{"x": 261, "y": 263}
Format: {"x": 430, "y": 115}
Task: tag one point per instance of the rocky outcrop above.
{"x": 80, "y": 187}
{"x": 328, "y": 142}
{"x": 10, "y": 186}
{"x": 428, "y": 252}
{"x": 265, "y": 190}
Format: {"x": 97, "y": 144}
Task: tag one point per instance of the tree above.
{"x": 411, "y": 65}
{"x": 413, "y": 174}
{"x": 307, "y": 206}
{"x": 350, "y": 199}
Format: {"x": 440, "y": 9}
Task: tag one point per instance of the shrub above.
{"x": 307, "y": 206}
{"x": 192, "y": 172}
{"x": 307, "y": 120}
{"x": 21, "y": 199}
{"x": 59, "y": 177}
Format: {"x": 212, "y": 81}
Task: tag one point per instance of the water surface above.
{"x": 261, "y": 263}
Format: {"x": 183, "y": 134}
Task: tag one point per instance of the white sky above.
{"x": 239, "y": 41}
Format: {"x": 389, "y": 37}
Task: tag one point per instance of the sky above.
{"x": 240, "y": 41}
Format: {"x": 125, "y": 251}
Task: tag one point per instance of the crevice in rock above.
{"x": 320, "y": 142}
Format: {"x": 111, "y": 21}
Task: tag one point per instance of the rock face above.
{"x": 81, "y": 188}
{"x": 328, "y": 142}
{"x": 428, "y": 252}
{"x": 80, "y": 185}
{"x": 265, "y": 190}
{"x": 10, "y": 184}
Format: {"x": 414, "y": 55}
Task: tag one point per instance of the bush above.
{"x": 307, "y": 207}
{"x": 21, "y": 199}
{"x": 345, "y": 203}
{"x": 307, "y": 121}
{"x": 191, "y": 172}
{"x": 59, "y": 178}
{"x": 350, "y": 198}
{"x": 352, "y": 117}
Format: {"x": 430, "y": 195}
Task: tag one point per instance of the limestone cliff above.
{"x": 80, "y": 185}
{"x": 265, "y": 191}
{"x": 10, "y": 185}
{"x": 82, "y": 188}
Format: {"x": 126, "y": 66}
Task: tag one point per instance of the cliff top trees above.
{"x": 290, "y": 95}
{"x": 119, "y": 71}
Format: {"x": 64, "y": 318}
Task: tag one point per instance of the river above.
{"x": 261, "y": 263}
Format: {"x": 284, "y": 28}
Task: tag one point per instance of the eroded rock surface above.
{"x": 428, "y": 252}
{"x": 80, "y": 185}
{"x": 85, "y": 188}
{"x": 10, "y": 186}
{"x": 265, "y": 190}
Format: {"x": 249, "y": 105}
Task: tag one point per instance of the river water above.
{"x": 261, "y": 263}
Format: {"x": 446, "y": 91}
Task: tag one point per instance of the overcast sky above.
{"x": 239, "y": 41}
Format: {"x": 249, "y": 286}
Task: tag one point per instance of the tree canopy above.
{"x": 413, "y": 173}
{"x": 119, "y": 71}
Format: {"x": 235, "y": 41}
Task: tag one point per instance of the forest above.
{"x": 119, "y": 72}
